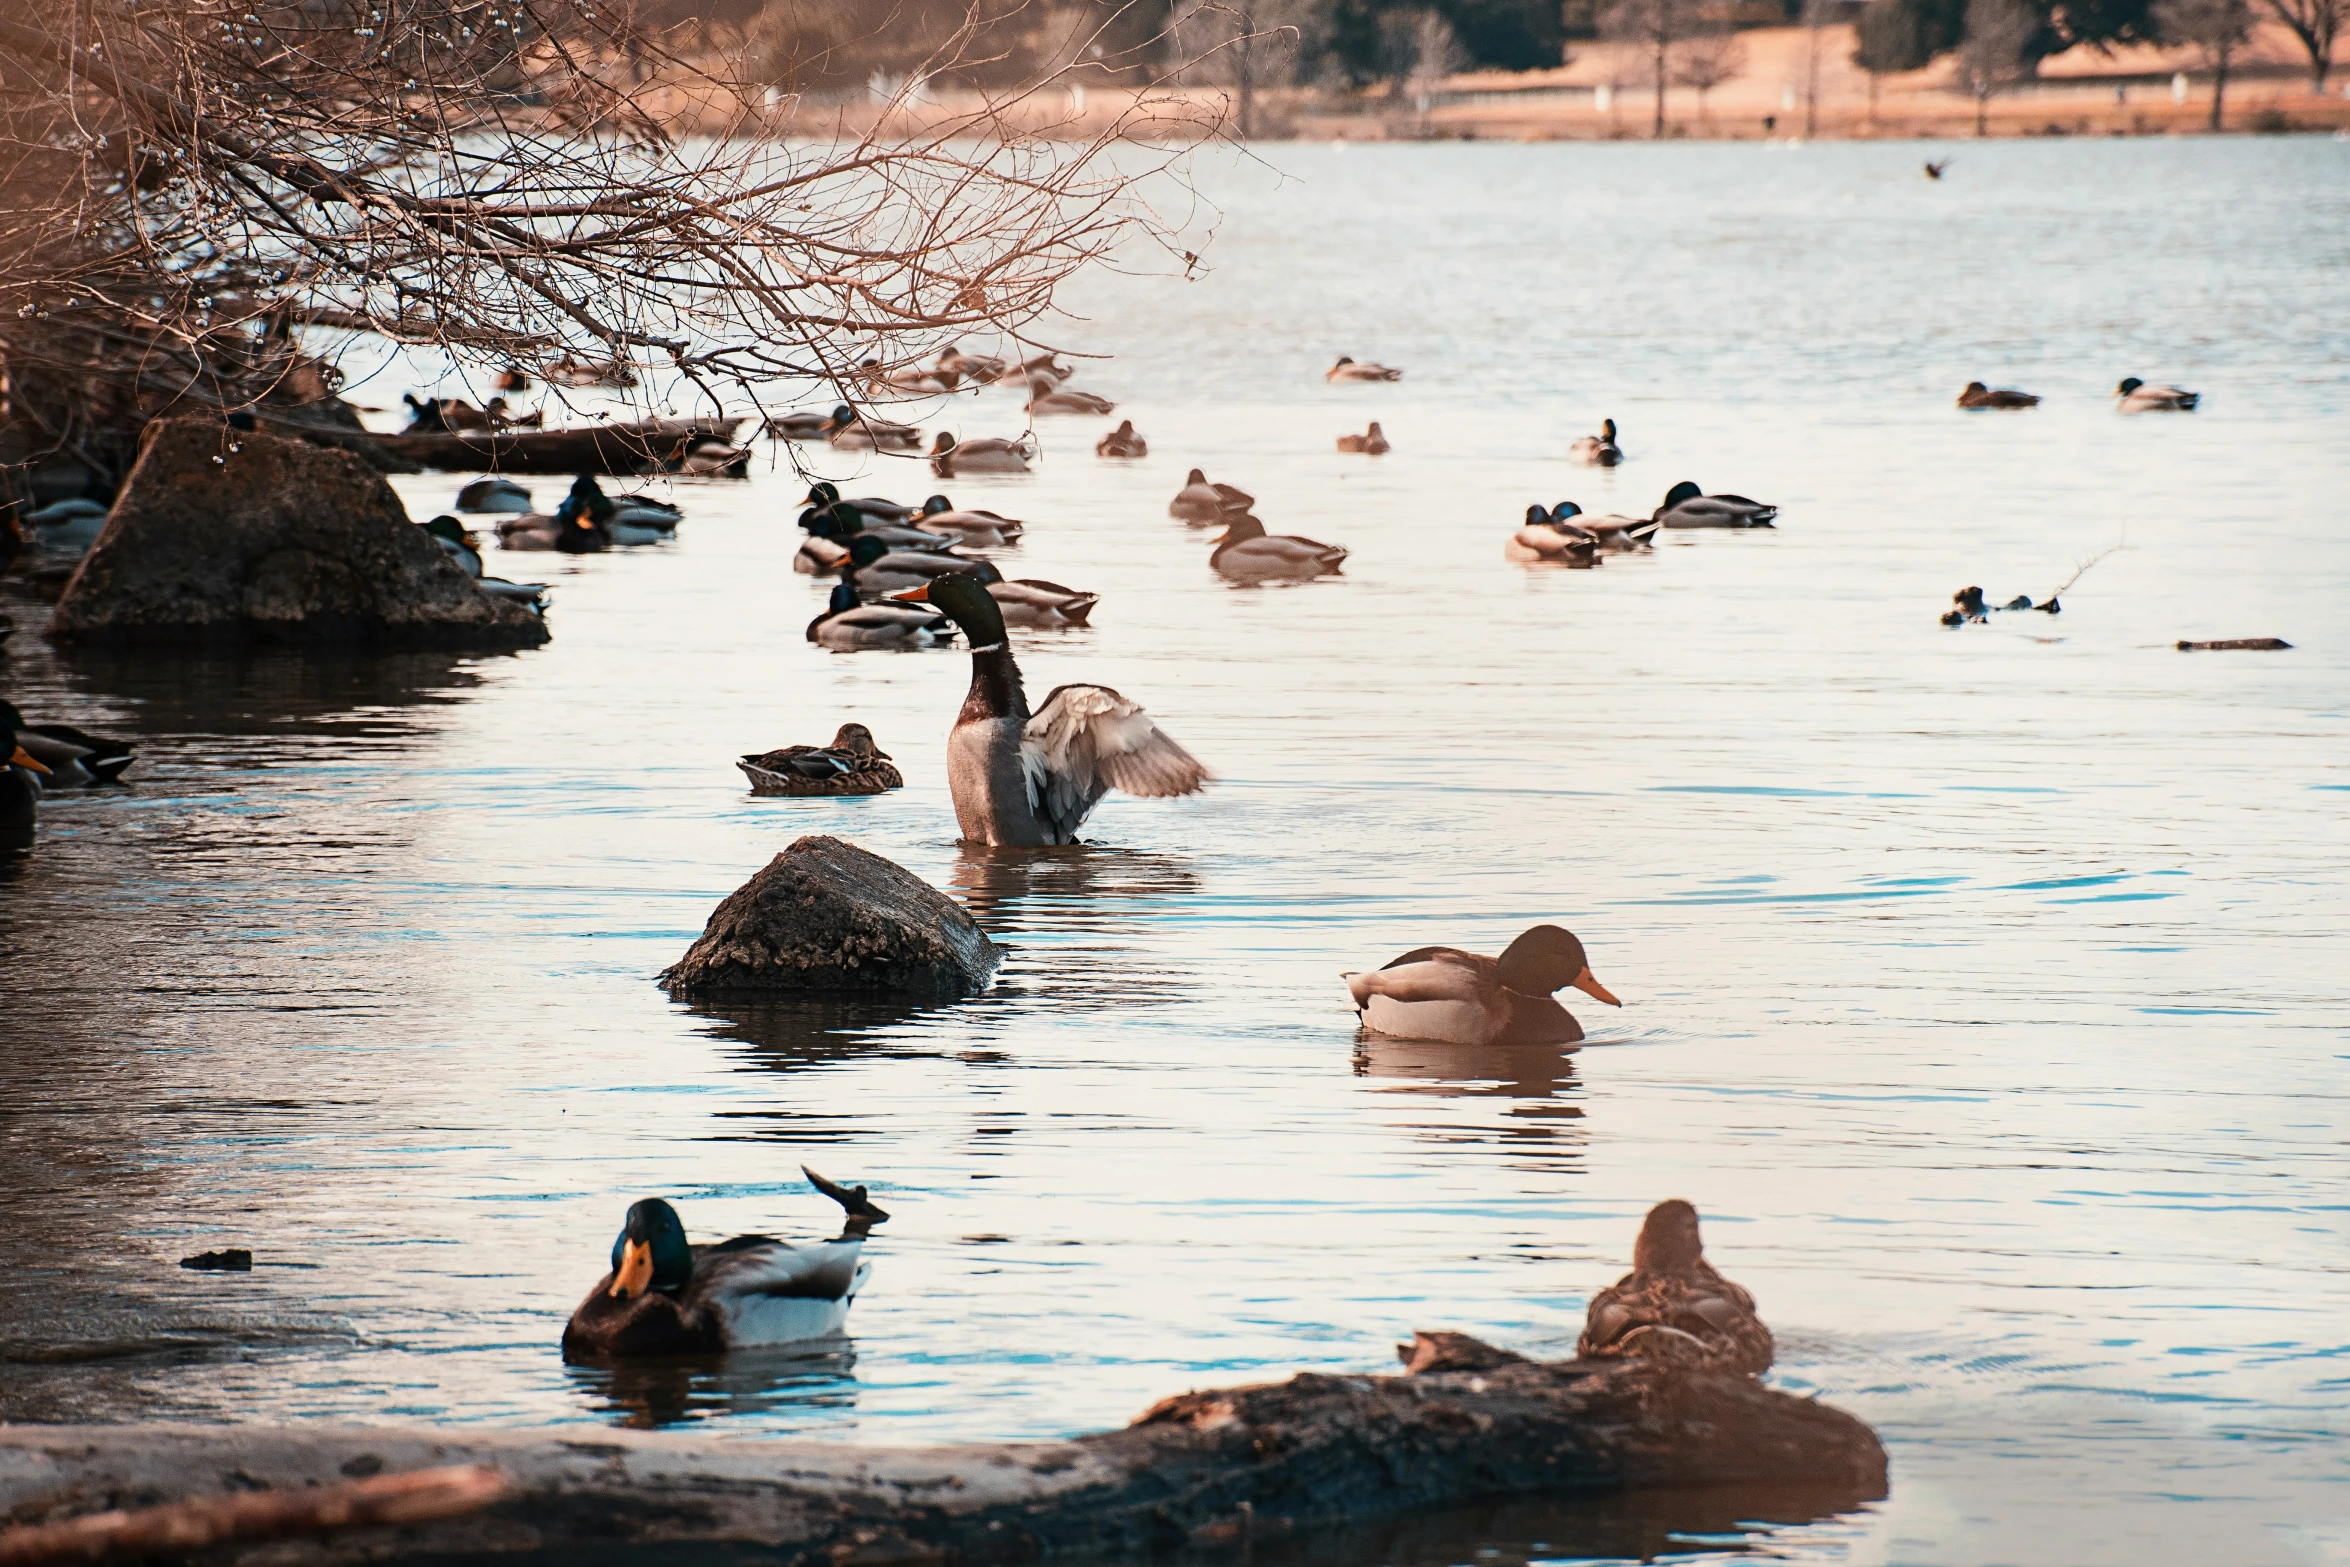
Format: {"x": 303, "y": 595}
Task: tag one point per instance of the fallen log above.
{"x": 2237, "y": 645}
{"x": 643, "y": 446}
{"x": 1206, "y": 1469}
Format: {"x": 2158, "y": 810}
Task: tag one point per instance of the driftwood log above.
{"x": 639, "y": 446}
{"x": 1205, "y": 1469}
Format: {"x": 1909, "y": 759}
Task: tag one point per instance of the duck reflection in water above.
{"x": 1086, "y": 924}
{"x": 1538, "y": 1122}
{"x": 647, "y": 1394}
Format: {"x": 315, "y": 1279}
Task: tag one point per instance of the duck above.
{"x": 1465, "y": 998}
{"x": 1613, "y": 532}
{"x": 1047, "y": 397}
{"x": 987, "y": 454}
{"x": 1673, "y": 1307}
{"x": 442, "y": 415}
{"x": 666, "y": 1297}
{"x": 20, "y": 787}
{"x": 1977, "y": 395}
{"x": 1934, "y": 170}
{"x": 849, "y": 623}
{"x": 512, "y": 379}
{"x": 1030, "y": 779}
{"x": 826, "y": 547}
{"x": 1371, "y": 442}
{"x": 981, "y": 368}
{"x": 1545, "y": 537}
{"x": 1122, "y": 442}
{"x": 572, "y": 370}
{"x": 852, "y": 764}
{"x": 810, "y": 426}
{"x": 503, "y": 417}
{"x": 980, "y": 529}
{"x": 622, "y": 519}
{"x": 1348, "y": 370}
{"x": 1047, "y": 365}
{"x": 578, "y": 535}
{"x": 493, "y": 495}
{"x": 869, "y": 434}
{"x": 1967, "y": 605}
{"x": 1248, "y": 552}
{"x": 876, "y": 568}
{"x": 2139, "y": 398}
{"x": 67, "y": 525}
{"x": 1597, "y": 451}
{"x": 1687, "y": 506}
{"x": 872, "y": 508}
{"x": 914, "y": 379}
{"x": 1202, "y": 502}
{"x": 452, "y": 537}
{"x": 64, "y": 757}
{"x": 1032, "y": 601}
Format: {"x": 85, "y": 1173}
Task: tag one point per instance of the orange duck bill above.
{"x": 1589, "y": 984}
{"x": 920, "y": 595}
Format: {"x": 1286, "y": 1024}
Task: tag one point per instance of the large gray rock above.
{"x": 223, "y": 536}
{"x": 828, "y": 916}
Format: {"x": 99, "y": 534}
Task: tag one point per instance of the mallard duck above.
{"x": 852, "y": 764}
{"x": 1977, "y": 395}
{"x": 970, "y": 367}
{"x": 621, "y": 519}
{"x": 967, "y": 526}
{"x": 1597, "y": 451}
{"x": 1613, "y": 532}
{"x": 512, "y": 379}
{"x": 808, "y": 426}
{"x": 537, "y": 531}
{"x": 503, "y": 417}
{"x": 1045, "y": 396}
{"x": 1201, "y": 502}
{"x": 1687, "y": 506}
{"x": 2139, "y": 398}
{"x": 1468, "y": 999}
{"x": 453, "y": 538}
{"x": 1032, "y": 601}
{"x": 876, "y": 568}
{"x": 824, "y": 493}
{"x": 848, "y": 622}
{"x": 1122, "y": 442}
{"x": 1967, "y": 605}
{"x": 67, "y": 525}
{"x": 1247, "y": 551}
{"x": 1545, "y": 537}
{"x": 1371, "y": 442}
{"x": 1047, "y": 365}
{"x": 988, "y": 454}
{"x": 20, "y": 787}
{"x": 831, "y": 528}
{"x": 1674, "y": 1307}
{"x": 65, "y": 757}
{"x": 914, "y": 379}
{"x": 573, "y": 370}
{"x": 493, "y": 494}
{"x": 1347, "y": 370}
{"x": 1031, "y": 779}
{"x": 665, "y": 1297}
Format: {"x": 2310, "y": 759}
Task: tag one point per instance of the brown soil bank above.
{"x": 1214, "y": 1469}
{"x": 225, "y": 537}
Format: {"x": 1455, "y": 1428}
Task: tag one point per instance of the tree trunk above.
{"x": 2219, "y": 87}
{"x": 1248, "y": 85}
{"x": 1982, "y": 114}
{"x": 1872, "y": 100}
{"x": 1658, "y": 133}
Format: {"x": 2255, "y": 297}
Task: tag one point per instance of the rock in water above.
{"x": 227, "y": 536}
{"x": 827, "y": 915}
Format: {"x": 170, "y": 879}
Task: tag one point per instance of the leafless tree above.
{"x": 1654, "y": 29}
{"x": 184, "y": 183}
{"x": 2217, "y": 29}
{"x": 1994, "y": 55}
{"x": 1709, "y": 58}
{"x": 1246, "y": 45}
{"x": 2316, "y": 23}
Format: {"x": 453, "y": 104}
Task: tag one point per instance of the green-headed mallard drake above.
{"x": 1248, "y": 552}
{"x": 1201, "y": 502}
{"x": 848, "y": 622}
{"x": 458, "y": 543}
{"x": 537, "y": 531}
{"x": 1977, "y": 395}
{"x": 1555, "y": 539}
{"x": 1122, "y": 442}
{"x": 1597, "y": 451}
{"x": 67, "y": 758}
{"x": 1045, "y": 396}
{"x": 1469, "y": 999}
{"x": 810, "y": 426}
{"x": 666, "y": 1297}
{"x": 1371, "y": 443}
{"x": 824, "y": 495}
{"x": 1030, "y": 779}
{"x": 987, "y": 454}
{"x": 1348, "y": 370}
{"x": 826, "y": 547}
{"x": 852, "y": 764}
{"x": 1673, "y": 1307}
{"x": 1687, "y": 506}
{"x": 493, "y": 494}
{"x": 981, "y": 529}
{"x": 2139, "y": 398}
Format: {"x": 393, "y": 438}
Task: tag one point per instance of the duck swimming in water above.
{"x": 1546, "y": 536}
{"x": 1248, "y": 552}
{"x": 810, "y": 426}
{"x": 1122, "y": 442}
{"x": 877, "y": 568}
{"x": 2139, "y": 398}
{"x": 1201, "y": 502}
{"x": 852, "y": 764}
{"x": 453, "y": 538}
{"x": 20, "y": 785}
{"x": 1687, "y": 506}
{"x": 1977, "y": 395}
{"x": 1371, "y": 443}
{"x": 979, "y": 529}
{"x": 848, "y": 622}
{"x": 666, "y": 1297}
{"x": 1466, "y": 998}
{"x": 1597, "y": 451}
{"x": 1348, "y": 370}
{"x": 1673, "y": 1306}
{"x": 64, "y": 757}
{"x": 987, "y": 454}
{"x": 1045, "y": 396}
{"x": 1030, "y": 779}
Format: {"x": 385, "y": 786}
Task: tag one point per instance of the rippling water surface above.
{"x": 1983, "y": 988}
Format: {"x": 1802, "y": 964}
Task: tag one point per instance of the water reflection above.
{"x": 1536, "y": 1123}
{"x": 648, "y": 1394}
{"x": 1077, "y": 918}
{"x": 793, "y": 1033}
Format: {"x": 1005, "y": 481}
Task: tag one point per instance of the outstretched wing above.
{"x": 1083, "y": 740}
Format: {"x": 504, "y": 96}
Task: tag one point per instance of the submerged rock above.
{"x": 825, "y": 915}
{"x": 224, "y": 536}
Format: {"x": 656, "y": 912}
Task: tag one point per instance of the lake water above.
{"x": 1984, "y": 988}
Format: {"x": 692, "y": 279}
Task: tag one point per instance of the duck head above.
{"x": 843, "y": 416}
{"x": 1343, "y": 359}
{"x": 1565, "y": 510}
{"x": 1669, "y": 1241}
{"x": 650, "y": 1252}
{"x": 1975, "y": 389}
{"x": 822, "y": 493}
{"x": 1546, "y": 958}
{"x": 449, "y": 531}
{"x": 1240, "y": 530}
{"x": 963, "y": 600}
{"x": 2128, "y": 386}
{"x": 857, "y": 740}
{"x": 936, "y": 504}
{"x": 1535, "y": 516}
{"x": 1684, "y": 491}
{"x": 944, "y": 444}
{"x": 10, "y": 722}
{"x": 1607, "y": 431}
{"x": 863, "y": 552}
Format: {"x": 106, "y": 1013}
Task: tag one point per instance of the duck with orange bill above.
{"x": 1467, "y": 998}
{"x": 665, "y": 1296}
{"x": 20, "y": 784}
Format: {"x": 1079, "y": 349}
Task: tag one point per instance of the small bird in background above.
{"x": 1934, "y": 170}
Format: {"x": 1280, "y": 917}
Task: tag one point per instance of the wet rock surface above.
{"x": 224, "y": 537}
{"x": 825, "y": 915}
